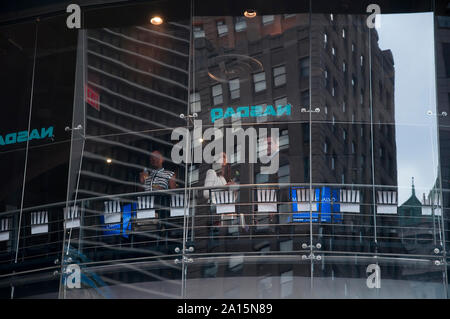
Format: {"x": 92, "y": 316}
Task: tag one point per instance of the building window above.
{"x": 222, "y": 28}
{"x": 325, "y": 40}
{"x": 235, "y": 263}
{"x": 343, "y": 178}
{"x": 265, "y": 287}
{"x": 304, "y": 98}
{"x": 280, "y": 101}
{"x": 279, "y": 75}
{"x": 217, "y": 94}
{"x": 380, "y": 87}
{"x": 326, "y": 110}
{"x": 361, "y": 60}
{"x": 196, "y": 105}
{"x": 259, "y": 79}
{"x": 287, "y": 16}
{"x": 446, "y": 55}
{"x": 304, "y": 67}
{"x": 353, "y": 148}
{"x": 240, "y": 24}
{"x": 343, "y": 33}
{"x": 325, "y": 147}
{"x": 198, "y": 31}
{"x": 343, "y": 106}
{"x": 234, "y": 88}
{"x": 287, "y": 284}
{"x": 333, "y": 52}
{"x": 344, "y": 67}
{"x": 331, "y": 17}
{"x": 344, "y": 134}
{"x": 305, "y": 132}
{"x": 362, "y": 131}
{"x": 268, "y": 19}
{"x": 334, "y": 88}
{"x": 286, "y": 245}
{"x": 333, "y": 162}
{"x": 306, "y": 167}
{"x": 353, "y": 47}
{"x": 361, "y": 97}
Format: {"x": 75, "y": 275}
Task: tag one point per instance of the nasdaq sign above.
{"x": 23, "y": 136}
{"x": 250, "y": 111}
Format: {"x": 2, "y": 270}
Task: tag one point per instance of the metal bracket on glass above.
{"x": 304, "y": 110}
{"x": 438, "y": 262}
{"x": 431, "y": 113}
{"x": 185, "y": 259}
{"x": 312, "y": 257}
{"x": 79, "y": 127}
{"x": 194, "y": 115}
{"x": 185, "y": 251}
{"x": 305, "y": 246}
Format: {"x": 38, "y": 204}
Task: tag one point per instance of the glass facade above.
{"x": 298, "y": 153}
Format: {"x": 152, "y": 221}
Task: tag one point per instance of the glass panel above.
{"x": 358, "y": 277}
{"x": 136, "y": 279}
{"x": 251, "y": 160}
{"x": 266, "y": 275}
{"x": 47, "y": 160}
{"x": 126, "y": 207}
{"x": 407, "y": 184}
{"x": 442, "y": 56}
{"x": 341, "y": 151}
{"x": 34, "y": 284}
{"x": 17, "y": 43}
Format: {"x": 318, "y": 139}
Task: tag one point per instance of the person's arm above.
{"x": 172, "y": 182}
{"x": 209, "y": 181}
{"x": 142, "y": 177}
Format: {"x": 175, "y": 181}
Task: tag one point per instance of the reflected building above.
{"x": 139, "y": 79}
{"x": 267, "y": 61}
{"x": 308, "y": 230}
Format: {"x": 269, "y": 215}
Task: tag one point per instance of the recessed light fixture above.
{"x": 250, "y": 13}
{"x": 156, "y": 20}
{"x": 108, "y": 160}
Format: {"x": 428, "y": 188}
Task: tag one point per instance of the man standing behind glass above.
{"x": 157, "y": 178}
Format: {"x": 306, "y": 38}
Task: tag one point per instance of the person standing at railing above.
{"x": 159, "y": 178}
{"x": 222, "y": 178}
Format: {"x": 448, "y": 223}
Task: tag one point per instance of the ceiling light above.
{"x": 108, "y": 160}
{"x": 156, "y": 20}
{"x": 250, "y": 13}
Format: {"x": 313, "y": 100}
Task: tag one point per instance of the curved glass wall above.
{"x": 298, "y": 153}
